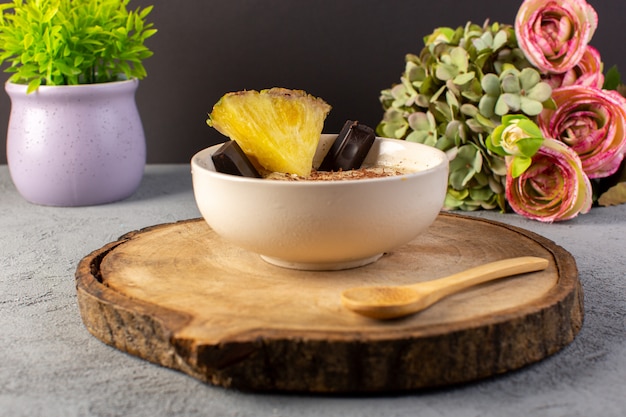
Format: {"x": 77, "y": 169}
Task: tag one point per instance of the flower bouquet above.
{"x": 527, "y": 117}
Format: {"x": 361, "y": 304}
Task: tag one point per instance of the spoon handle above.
{"x": 443, "y": 287}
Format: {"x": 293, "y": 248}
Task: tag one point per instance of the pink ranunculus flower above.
{"x": 554, "y": 187}
{"x": 587, "y": 72}
{"x": 554, "y": 34}
{"x": 592, "y": 122}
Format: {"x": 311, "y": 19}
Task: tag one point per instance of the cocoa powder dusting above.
{"x": 353, "y": 174}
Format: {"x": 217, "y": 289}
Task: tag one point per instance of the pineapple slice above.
{"x": 278, "y": 129}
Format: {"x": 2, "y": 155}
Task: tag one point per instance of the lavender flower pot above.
{"x": 75, "y": 145}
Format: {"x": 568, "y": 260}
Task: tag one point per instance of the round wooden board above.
{"x": 180, "y": 296}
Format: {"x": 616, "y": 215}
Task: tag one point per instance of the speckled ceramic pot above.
{"x": 75, "y": 145}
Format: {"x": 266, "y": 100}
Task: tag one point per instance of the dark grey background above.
{"x": 344, "y": 51}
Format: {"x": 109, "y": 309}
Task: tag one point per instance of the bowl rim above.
{"x": 206, "y": 152}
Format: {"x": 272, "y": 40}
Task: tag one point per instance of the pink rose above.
{"x": 592, "y": 122}
{"x": 554, "y": 34}
{"x": 553, "y": 188}
{"x": 587, "y": 72}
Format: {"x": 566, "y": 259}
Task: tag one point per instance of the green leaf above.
{"x": 481, "y": 194}
{"x": 459, "y": 179}
{"x": 33, "y": 85}
{"x": 486, "y": 122}
{"x": 455, "y": 198}
{"x": 530, "y": 107}
{"x": 486, "y": 105}
{"x": 529, "y": 78}
{"x": 440, "y": 34}
{"x": 437, "y": 94}
{"x": 529, "y": 146}
{"x": 549, "y": 104}
{"x": 468, "y": 109}
{"x": 421, "y": 137}
{"x": 495, "y": 149}
{"x": 501, "y": 107}
{"x": 526, "y": 125}
{"x": 446, "y": 72}
{"x": 500, "y": 40}
{"x": 459, "y": 58}
{"x": 511, "y": 84}
{"x": 513, "y": 101}
{"x": 66, "y": 69}
{"x": 452, "y": 100}
{"x": 498, "y": 167}
{"x": 50, "y": 13}
{"x": 491, "y": 84}
{"x": 540, "y": 92}
{"x": 612, "y": 79}
{"x": 519, "y": 165}
{"x": 462, "y": 79}
{"x": 28, "y": 40}
{"x": 421, "y": 121}
{"x": 145, "y": 12}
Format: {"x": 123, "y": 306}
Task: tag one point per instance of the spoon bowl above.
{"x": 388, "y": 302}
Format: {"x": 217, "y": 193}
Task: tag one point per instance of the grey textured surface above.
{"x": 51, "y": 366}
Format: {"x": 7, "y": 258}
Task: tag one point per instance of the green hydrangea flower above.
{"x": 455, "y": 94}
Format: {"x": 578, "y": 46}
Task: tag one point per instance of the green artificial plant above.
{"x": 69, "y": 42}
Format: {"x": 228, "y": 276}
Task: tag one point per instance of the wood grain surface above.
{"x": 180, "y": 296}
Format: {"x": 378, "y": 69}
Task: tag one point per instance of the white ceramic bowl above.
{"x": 325, "y": 225}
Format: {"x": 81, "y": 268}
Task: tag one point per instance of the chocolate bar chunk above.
{"x": 350, "y": 148}
{"x": 230, "y": 159}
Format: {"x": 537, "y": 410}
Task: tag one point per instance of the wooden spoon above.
{"x": 387, "y": 302}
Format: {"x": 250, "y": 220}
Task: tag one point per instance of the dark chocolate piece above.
{"x": 230, "y": 159}
{"x": 350, "y": 148}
